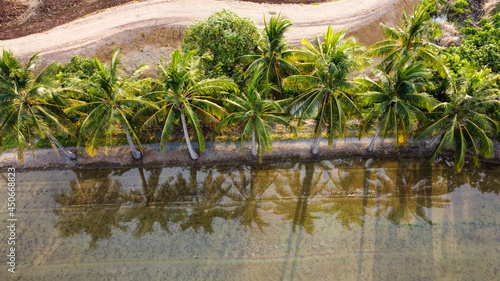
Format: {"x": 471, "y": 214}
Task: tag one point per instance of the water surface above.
{"x": 330, "y": 220}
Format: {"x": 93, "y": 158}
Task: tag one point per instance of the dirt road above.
{"x": 145, "y": 30}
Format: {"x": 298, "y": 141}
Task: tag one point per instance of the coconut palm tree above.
{"x": 111, "y": 100}
{"x": 396, "y": 100}
{"x": 185, "y": 96}
{"x": 256, "y": 113}
{"x": 463, "y": 122}
{"x": 329, "y": 91}
{"x": 273, "y": 53}
{"x": 30, "y": 107}
{"x": 411, "y": 39}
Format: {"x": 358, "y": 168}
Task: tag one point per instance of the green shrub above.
{"x": 226, "y": 36}
{"x": 459, "y": 7}
{"x": 481, "y": 44}
{"x": 82, "y": 68}
{"x": 496, "y": 21}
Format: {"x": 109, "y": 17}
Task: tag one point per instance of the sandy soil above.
{"x": 147, "y": 29}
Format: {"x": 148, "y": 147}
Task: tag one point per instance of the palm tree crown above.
{"x": 30, "y": 106}
{"x": 256, "y": 113}
{"x": 185, "y": 95}
{"x": 329, "y": 92}
{"x": 396, "y": 100}
{"x": 111, "y": 100}
{"x": 410, "y": 39}
{"x": 462, "y": 123}
{"x": 273, "y": 53}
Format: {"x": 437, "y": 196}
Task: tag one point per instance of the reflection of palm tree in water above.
{"x": 250, "y": 183}
{"x": 349, "y": 197}
{"x": 205, "y": 208}
{"x": 295, "y": 185}
{"x": 92, "y": 187}
{"x": 301, "y": 218}
{"x": 154, "y": 196}
{"x": 414, "y": 194}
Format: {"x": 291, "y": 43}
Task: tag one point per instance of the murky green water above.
{"x": 330, "y": 220}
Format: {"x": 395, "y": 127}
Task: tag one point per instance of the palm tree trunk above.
{"x": 372, "y": 144}
{"x": 254, "y": 151}
{"x": 69, "y": 154}
{"x": 315, "y": 146}
{"x": 135, "y": 153}
{"x": 192, "y": 153}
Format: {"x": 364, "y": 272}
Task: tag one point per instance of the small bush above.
{"x": 226, "y": 36}
{"x": 83, "y": 68}
{"x": 459, "y": 7}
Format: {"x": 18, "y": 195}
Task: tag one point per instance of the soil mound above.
{"x": 10, "y": 10}
{"x": 25, "y": 19}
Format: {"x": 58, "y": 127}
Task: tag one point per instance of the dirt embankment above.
{"x": 146, "y": 30}
{"x": 24, "y": 17}
{"x": 225, "y": 153}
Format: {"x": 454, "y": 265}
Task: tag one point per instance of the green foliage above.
{"x": 185, "y": 95}
{"x": 272, "y": 54}
{"x": 82, "y": 68}
{"x": 496, "y": 20}
{"x": 463, "y": 123}
{"x": 481, "y": 44}
{"x": 226, "y": 36}
{"x": 30, "y": 106}
{"x": 328, "y": 90}
{"x": 255, "y": 113}
{"x": 64, "y": 140}
{"x": 459, "y": 7}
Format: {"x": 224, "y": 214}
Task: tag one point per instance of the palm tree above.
{"x": 328, "y": 95}
{"x": 30, "y": 106}
{"x": 272, "y": 53}
{"x": 256, "y": 113}
{"x": 410, "y": 39}
{"x": 463, "y": 123}
{"x": 111, "y": 100}
{"x": 185, "y": 95}
{"x": 396, "y": 100}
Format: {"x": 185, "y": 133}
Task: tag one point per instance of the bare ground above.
{"x": 146, "y": 30}
{"x": 222, "y": 153}
{"x": 25, "y": 17}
